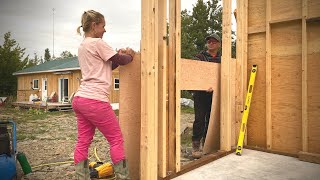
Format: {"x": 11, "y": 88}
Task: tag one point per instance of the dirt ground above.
{"x": 50, "y": 137}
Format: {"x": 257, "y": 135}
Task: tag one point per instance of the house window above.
{"x": 35, "y": 84}
{"x": 116, "y": 84}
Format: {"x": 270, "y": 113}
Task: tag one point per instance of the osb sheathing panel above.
{"x": 130, "y": 113}
{"x": 286, "y": 88}
{"x": 285, "y": 9}
{"x": 195, "y": 70}
{"x": 313, "y": 8}
{"x": 313, "y": 45}
{"x": 256, "y": 14}
{"x": 256, "y": 131}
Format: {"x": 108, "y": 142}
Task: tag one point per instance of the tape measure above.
{"x": 246, "y": 110}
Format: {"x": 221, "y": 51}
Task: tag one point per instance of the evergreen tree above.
{"x": 33, "y": 62}
{"x": 205, "y": 19}
{"x": 66, "y": 54}
{"x": 215, "y": 17}
{"x": 47, "y": 55}
{"x": 11, "y": 60}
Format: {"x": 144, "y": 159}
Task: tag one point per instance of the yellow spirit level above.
{"x": 246, "y": 110}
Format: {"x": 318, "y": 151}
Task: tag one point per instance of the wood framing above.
{"x": 268, "y": 76}
{"x": 241, "y": 64}
{"x": 149, "y": 91}
{"x": 163, "y": 90}
{"x": 283, "y": 42}
{"x": 304, "y": 77}
{"x": 309, "y": 157}
{"x": 174, "y": 85}
{"x": 281, "y": 38}
{"x": 225, "y": 114}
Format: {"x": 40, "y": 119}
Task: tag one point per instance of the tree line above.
{"x": 204, "y": 19}
{"x": 13, "y": 59}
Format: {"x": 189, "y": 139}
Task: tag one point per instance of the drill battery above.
{"x": 100, "y": 170}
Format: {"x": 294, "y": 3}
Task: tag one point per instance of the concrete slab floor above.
{"x": 255, "y": 165}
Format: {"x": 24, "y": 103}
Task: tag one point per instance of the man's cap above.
{"x": 215, "y": 36}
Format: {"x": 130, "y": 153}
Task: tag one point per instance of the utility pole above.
{"x": 53, "y": 34}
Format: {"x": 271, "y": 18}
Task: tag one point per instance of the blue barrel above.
{"x": 8, "y": 169}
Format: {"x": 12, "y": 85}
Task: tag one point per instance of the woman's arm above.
{"x": 120, "y": 59}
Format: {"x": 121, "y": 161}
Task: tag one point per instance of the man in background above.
{"x": 203, "y": 99}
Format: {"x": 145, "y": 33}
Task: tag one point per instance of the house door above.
{"x": 63, "y": 90}
{"x": 44, "y": 89}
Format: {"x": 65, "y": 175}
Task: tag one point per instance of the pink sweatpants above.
{"x": 92, "y": 114}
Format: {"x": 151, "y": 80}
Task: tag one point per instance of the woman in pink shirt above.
{"x": 91, "y": 102}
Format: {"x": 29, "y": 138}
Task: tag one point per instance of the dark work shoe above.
{"x": 196, "y": 151}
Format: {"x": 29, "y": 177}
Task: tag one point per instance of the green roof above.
{"x": 52, "y": 66}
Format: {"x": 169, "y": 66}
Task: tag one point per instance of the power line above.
{"x": 53, "y": 33}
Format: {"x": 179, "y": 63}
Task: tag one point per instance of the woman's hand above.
{"x": 130, "y": 52}
{"x": 122, "y": 51}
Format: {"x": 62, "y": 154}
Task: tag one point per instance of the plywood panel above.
{"x": 285, "y": 9}
{"x": 212, "y": 142}
{"x": 313, "y": 8}
{"x": 286, "y": 39}
{"x": 256, "y": 126}
{"x": 313, "y": 76}
{"x": 130, "y": 114}
{"x": 286, "y": 87}
{"x": 256, "y": 14}
{"x": 198, "y": 75}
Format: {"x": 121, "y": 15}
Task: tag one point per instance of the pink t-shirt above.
{"x": 96, "y": 69}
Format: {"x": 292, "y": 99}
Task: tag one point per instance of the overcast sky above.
{"x": 31, "y": 23}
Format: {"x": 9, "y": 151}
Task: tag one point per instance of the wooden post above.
{"x": 241, "y": 61}
{"x": 178, "y": 90}
{"x": 268, "y": 76}
{"x": 149, "y": 90}
{"x": 304, "y": 77}
{"x": 174, "y": 87}
{"x": 225, "y": 141}
{"x": 162, "y": 113}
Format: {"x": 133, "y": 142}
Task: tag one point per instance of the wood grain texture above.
{"x": 225, "y": 113}
{"x": 286, "y": 87}
{"x": 256, "y": 125}
{"x": 286, "y": 9}
{"x": 313, "y": 8}
{"x": 256, "y": 15}
{"x": 149, "y": 90}
{"x": 198, "y": 75}
{"x": 162, "y": 86}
